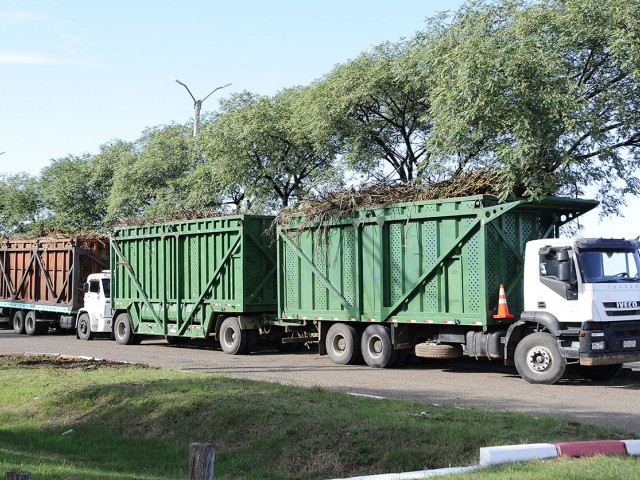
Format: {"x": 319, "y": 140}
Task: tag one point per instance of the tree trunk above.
{"x": 201, "y": 457}
{"x": 17, "y": 476}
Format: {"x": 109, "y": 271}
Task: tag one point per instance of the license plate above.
{"x": 629, "y": 344}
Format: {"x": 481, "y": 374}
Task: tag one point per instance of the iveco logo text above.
{"x": 627, "y": 304}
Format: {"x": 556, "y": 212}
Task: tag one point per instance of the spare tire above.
{"x": 438, "y": 351}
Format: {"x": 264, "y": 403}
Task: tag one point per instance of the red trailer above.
{"x": 41, "y": 280}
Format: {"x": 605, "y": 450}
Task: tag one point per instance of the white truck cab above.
{"x": 95, "y": 316}
{"x": 585, "y": 293}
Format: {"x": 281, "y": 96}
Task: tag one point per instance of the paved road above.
{"x": 463, "y": 383}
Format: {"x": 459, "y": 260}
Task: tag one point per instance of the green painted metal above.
{"x": 439, "y": 261}
{"x": 175, "y": 278}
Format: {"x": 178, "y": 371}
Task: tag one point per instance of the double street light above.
{"x": 197, "y": 105}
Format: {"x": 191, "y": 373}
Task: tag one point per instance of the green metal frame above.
{"x": 471, "y": 217}
{"x": 164, "y": 303}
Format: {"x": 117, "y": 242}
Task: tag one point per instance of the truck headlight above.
{"x": 598, "y": 345}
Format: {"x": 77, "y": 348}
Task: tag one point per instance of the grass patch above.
{"x": 131, "y": 422}
{"x": 601, "y": 467}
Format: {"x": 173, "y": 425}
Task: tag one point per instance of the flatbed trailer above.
{"x": 41, "y": 280}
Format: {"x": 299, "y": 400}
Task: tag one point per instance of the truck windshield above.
{"x": 106, "y": 288}
{"x": 609, "y": 266}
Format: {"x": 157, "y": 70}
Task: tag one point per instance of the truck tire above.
{"x": 599, "y": 372}
{"x": 84, "y": 327}
{"x": 377, "y": 349}
{"x": 30, "y": 324}
{"x": 438, "y": 351}
{"x": 343, "y": 344}
{"x": 233, "y": 339}
{"x": 538, "y": 359}
{"x": 18, "y": 322}
{"x": 123, "y": 332}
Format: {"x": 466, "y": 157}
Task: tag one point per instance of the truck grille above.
{"x": 621, "y": 309}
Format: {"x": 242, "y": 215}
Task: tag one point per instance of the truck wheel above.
{"x": 84, "y": 327}
{"x": 30, "y": 324}
{"x": 233, "y": 339}
{"x": 538, "y": 359}
{"x": 343, "y": 344}
{"x": 122, "y": 330}
{"x": 599, "y": 372}
{"x": 18, "y": 322}
{"x": 377, "y": 349}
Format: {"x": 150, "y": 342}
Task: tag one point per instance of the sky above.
{"x": 75, "y": 74}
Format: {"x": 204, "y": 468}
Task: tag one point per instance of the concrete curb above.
{"x": 520, "y": 453}
{"x": 415, "y": 475}
{"x": 516, "y": 453}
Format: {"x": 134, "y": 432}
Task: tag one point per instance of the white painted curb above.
{"x": 414, "y": 475}
{"x": 516, "y": 453}
{"x": 633, "y": 447}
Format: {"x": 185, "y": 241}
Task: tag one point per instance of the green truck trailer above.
{"x": 421, "y": 278}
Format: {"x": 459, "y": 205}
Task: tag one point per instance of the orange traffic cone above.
{"x": 503, "y": 309}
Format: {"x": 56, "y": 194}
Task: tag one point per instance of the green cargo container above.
{"x": 432, "y": 262}
{"x": 179, "y": 278}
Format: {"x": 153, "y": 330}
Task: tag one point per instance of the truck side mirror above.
{"x": 564, "y": 267}
{"x": 86, "y": 287}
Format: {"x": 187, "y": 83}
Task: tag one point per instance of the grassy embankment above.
{"x": 131, "y": 422}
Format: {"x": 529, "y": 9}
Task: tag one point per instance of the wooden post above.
{"x": 201, "y": 457}
{"x": 17, "y": 476}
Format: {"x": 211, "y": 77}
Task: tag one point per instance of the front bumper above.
{"x": 609, "y": 343}
{"x": 608, "y": 358}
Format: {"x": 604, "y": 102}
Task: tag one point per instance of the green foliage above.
{"x": 73, "y": 197}
{"x": 20, "y": 205}
{"x": 149, "y": 177}
{"x": 547, "y": 91}
{"x": 260, "y": 158}
{"x": 375, "y": 111}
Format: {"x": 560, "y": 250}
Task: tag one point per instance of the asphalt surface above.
{"x": 464, "y": 383}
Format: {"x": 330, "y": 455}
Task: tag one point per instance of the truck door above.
{"x": 558, "y": 287}
{"x": 92, "y": 300}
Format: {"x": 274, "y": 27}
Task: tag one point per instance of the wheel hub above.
{"x": 375, "y": 346}
{"x": 230, "y": 336}
{"x": 539, "y": 359}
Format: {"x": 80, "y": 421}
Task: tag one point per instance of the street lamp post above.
{"x": 197, "y": 105}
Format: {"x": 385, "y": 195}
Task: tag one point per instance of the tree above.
{"x": 259, "y": 157}
{"x": 376, "y": 111}
{"x": 547, "y": 91}
{"x": 70, "y": 197}
{"x": 150, "y": 173}
{"x": 20, "y": 206}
